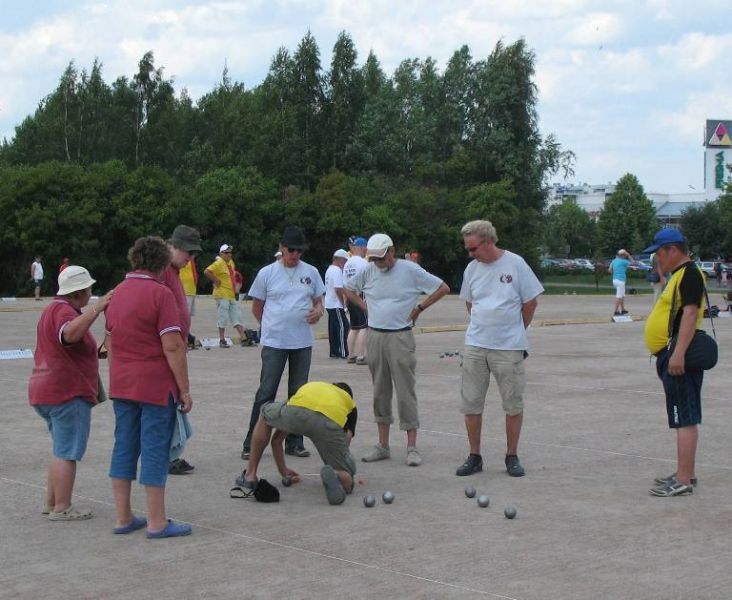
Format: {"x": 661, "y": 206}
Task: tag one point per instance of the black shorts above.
{"x": 357, "y": 316}
{"x": 683, "y": 393}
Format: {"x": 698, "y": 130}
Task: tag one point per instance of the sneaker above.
{"x": 414, "y": 459}
{"x": 71, "y": 514}
{"x": 661, "y": 481}
{"x": 351, "y": 360}
{"x": 513, "y": 466}
{"x": 361, "y": 360}
{"x": 333, "y": 488}
{"x": 623, "y": 312}
{"x": 378, "y": 453}
{"x": 617, "y": 313}
{"x": 672, "y": 487}
{"x": 245, "y": 453}
{"x": 472, "y": 464}
{"x": 179, "y": 466}
{"x": 224, "y": 344}
{"x": 299, "y": 452}
{"x": 241, "y": 481}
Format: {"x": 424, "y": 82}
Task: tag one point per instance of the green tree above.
{"x": 627, "y": 219}
{"x": 569, "y": 230}
{"x": 703, "y": 226}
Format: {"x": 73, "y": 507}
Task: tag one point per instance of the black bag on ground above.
{"x": 266, "y": 492}
{"x": 702, "y": 353}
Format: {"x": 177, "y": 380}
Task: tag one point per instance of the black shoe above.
{"x": 245, "y": 453}
{"x": 179, "y": 466}
{"x": 623, "y": 312}
{"x": 472, "y": 464}
{"x": 299, "y": 452}
{"x": 513, "y": 466}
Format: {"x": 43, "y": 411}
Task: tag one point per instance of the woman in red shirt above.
{"x": 148, "y": 377}
{"x": 63, "y": 386}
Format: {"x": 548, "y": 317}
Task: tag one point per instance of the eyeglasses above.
{"x": 474, "y": 248}
{"x": 378, "y": 258}
{"x": 293, "y": 250}
{"x": 226, "y": 253}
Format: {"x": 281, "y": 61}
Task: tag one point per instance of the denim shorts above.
{"x": 69, "y": 425}
{"x": 142, "y": 431}
{"x": 683, "y": 393}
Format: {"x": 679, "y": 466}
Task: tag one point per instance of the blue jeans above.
{"x": 69, "y": 425}
{"x": 273, "y": 365}
{"x": 142, "y": 431}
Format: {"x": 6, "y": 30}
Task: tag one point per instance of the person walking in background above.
{"x": 501, "y": 295}
{"x": 391, "y": 288}
{"x": 36, "y": 273}
{"x": 335, "y": 300}
{"x": 287, "y": 298}
{"x": 619, "y": 269}
{"x": 64, "y": 384}
{"x": 148, "y": 379}
{"x": 357, "y": 316}
{"x": 63, "y": 265}
{"x": 222, "y": 273}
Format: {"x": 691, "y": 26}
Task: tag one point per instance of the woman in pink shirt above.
{"x": 148, "y": 378}
{"x": 63, "y": 387}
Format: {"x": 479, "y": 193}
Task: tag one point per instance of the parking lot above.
{"x": 594, "y": 437}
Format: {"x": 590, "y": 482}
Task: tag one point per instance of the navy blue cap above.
{"x": 664, "y": 237}
{"x": 357, "y": 241}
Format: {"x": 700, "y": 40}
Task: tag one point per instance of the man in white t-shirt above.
{"x": 359, "y": 322}
{"x": 335, "y": 299}
{"x": 36, "y": 271}
{"x": 391, "y": 288}
{"x": 287, "y": 298}
{"x": 501, "y": 294}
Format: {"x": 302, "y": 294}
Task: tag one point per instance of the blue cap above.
{"x": 664, "y": 237}
{"x": 357, "y": 241}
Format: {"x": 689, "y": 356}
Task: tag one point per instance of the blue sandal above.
{"x": 134, "y": 525}
{"x": 172, "y": 529}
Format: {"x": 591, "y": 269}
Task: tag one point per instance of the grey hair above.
{"x": 483, "y": 229}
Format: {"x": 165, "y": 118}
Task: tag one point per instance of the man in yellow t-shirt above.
{"x": 221, "y": 272}
{"x": 677, "y": 314}
{"x": 324, "y": 412}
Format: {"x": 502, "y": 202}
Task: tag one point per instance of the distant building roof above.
{"x": 671, "y": 210}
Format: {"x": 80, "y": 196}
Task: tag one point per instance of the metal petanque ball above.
{"x": 287, "y": 481}
{"x": 483, "y": 501}
{"x": 470, "y": 492}
{"x": 510, "y": 511}
{"x": 387, "y": 497}
{"x": 369, "y": 501}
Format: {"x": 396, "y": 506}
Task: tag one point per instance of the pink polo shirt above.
{"x": 141, "y": 311}
{"x": 62, "y": 372}
{"x": 171, "y": 278}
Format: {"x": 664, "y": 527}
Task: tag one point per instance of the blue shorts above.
{"x": 69, "y": 424}
{"x": 683, "y": 393}
{"x": 142, "y": 431}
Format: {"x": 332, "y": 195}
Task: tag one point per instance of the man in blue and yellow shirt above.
{"x": 684, "y": 297}
{"x": 323, "y": 412}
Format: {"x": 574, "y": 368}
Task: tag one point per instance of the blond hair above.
{"x": 483, "y": 229}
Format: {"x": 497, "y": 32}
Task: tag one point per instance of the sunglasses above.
{"x": 293, "y": 250}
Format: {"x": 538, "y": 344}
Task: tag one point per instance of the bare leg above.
{"x": 156, "y": 519}
{"x": 122, "y": 489}
{"x": 686, "y": 441}
{"x": 384, "y": 434}
{"x": 351, "y": 340}
{"x": 62, "y": 474}
{"x": 221, "y": 333}
{"x": 260, "y": 438}
{"x": 411, "y": 437}
{"x": 240, "y": 329}
{"x": 474, "y": 426}
{"x": 50, "y": 498}
{"x": 361, "y": 342}
{"x": 513, "y": 431}
{"x": 346, "y": 480}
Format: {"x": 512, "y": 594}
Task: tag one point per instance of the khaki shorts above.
{"x": 507, "y": 367}
{"x": 327, "y": 436}
{"x": 227, "y": 311}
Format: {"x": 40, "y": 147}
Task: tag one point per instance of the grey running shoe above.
{"x": 351, "y": 360}
{"x": 378, "y": 453}
{"x": 672, "y": 488}
{"x": 224, "y": 344}
{"x": 661, "y": 481}
{"x": 361, "y": 360}
{"x": 414, "y": 458}
{"x": 472, "y": 464}
{"x": 513, "y": 466}
{"x": 333, "y": 488}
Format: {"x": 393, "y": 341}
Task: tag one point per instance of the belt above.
{"x": 390, "y": 330}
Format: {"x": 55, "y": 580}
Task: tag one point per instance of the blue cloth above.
{"x": 69, "y": 425}
{"x": 142, "y": 431}
{"x": 182, "y": 432}
{"x": 619, "y": 267}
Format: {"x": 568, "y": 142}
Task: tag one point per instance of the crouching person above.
{"x": 323, "y": 412}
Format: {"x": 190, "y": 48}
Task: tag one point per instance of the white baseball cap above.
{"x": 340, "y": 253}
{"x": 73, "y": 279}
{"x": 225, "y": 248}
{"x": 377, "y": 245}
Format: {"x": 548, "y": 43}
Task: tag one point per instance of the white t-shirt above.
{"x": 37, "y": 271}
{"x": 288, "y": 296}
{"x": 497, "y": 292}
{"x": 353, "y": 266}
{"x": 333, "y": 280}
{"x": 391, "y": 295}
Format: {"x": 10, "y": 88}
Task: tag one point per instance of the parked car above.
{"x": 707, "y": 267}
{"x": 584, "y": 263}
{"x": 636, "y": 265}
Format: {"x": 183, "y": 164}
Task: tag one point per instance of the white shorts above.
{"x": 619, "y": 288}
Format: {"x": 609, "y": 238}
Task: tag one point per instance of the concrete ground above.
{"x": 595, "y": 436}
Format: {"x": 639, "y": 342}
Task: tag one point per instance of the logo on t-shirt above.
{"x": 306, "y": 280}
{"x": 506, "y": 278}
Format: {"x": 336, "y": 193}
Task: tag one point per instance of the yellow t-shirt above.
{"x": 325, "y": 398}
{"x": 220, "y": 268}
{"x": 186, "y": 278}
{"x": 656, "y": 329}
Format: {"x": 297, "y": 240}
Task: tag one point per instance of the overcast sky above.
{"x": 627, "y": 85}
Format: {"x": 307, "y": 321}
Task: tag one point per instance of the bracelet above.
{"x": 420, "y": 308}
